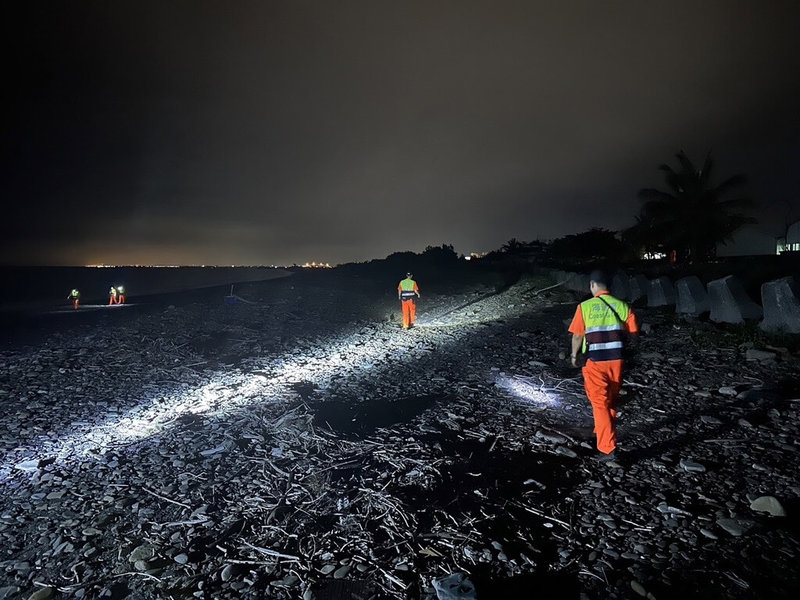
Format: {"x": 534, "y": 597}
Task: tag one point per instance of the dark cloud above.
{"x": 201, "y": 132}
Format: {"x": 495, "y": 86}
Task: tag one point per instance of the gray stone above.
{"x": 759, "y": 355}
{"x": 454, "y": 587}
{"x": 781, "y": 302}
{"x": 143, "y": 552}
{"x": 709, "y": 534}
{"x": 729, "y": 301}
{"x": 691, "y": 466}
{"x": 638, "y": 588}
{"x": 554, "y": 438}
{"x": 692, "y": 298}
{"x": 42, "y": 594}
{"x": 710, "y": 420}
{"x": 736, "y": 527}
{"x": 660, "y": 292}
{"x": 768, "y": 504}
{"x": 341, "y": 572}
{"x": 28, "y": 465}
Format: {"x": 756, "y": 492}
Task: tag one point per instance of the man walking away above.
{"x": 120, "y": 294}
{"x": 407, "y": 292}
{"x": 112, "y": 296}
{"x": 75, "y": 297}
{"x": 598, "y": 330}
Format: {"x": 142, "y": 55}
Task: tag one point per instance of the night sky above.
{"x": 281, "y": 132}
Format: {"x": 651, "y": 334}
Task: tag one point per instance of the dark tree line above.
{"x": 688, "y": 219}
{"x": 693, "y": 215}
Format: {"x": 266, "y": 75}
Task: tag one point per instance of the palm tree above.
{"x": 692, "y": 217}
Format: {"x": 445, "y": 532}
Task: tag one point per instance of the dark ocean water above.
{"x": 40, "y": 288}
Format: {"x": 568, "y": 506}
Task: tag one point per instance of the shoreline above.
{"x": 33, "y": 287}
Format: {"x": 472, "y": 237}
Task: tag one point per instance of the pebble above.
{"x": 638, "y": 588}
{"x": 759, "y": 355}
{"x": 768, "y": 504}
{"x": 341, "y": 572}
{"x": 42, "y": 594}
{"x": 143, "y": 552}
{"x": 709, "y": 534}
{"x": 691, "y": 466}
{"x": 732, "y": 526}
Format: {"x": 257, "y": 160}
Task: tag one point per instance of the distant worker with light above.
{"x": 112, "y": 296}
{"x": 598, "y": 331}
{"x": 120, "y": 294}
{"x": 75, "y": 298}
{"x": 407, "y": 293}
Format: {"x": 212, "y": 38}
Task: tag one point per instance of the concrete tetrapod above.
{"x": 660, "y": 292}
{"x": 729, "y": 301}
{"x": 620, "y": 286}
{"x": 692, "y": 298}
{"x": 781, "y": 301}
{"x": 638, "y": 286}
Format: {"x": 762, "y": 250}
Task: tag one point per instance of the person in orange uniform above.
{"x": 112, "y": 296}
{"x": 407, "y": 293}
{"x": 598, "y": 330}
{"x": 75, "y": 297}
{"x": 120, "y": 294}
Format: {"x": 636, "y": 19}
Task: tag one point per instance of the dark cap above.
{"x": 598, "y": 276}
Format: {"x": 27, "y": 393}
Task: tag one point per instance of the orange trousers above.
{"x": 75, "y": 304}
{"x": 409, "y": 312}
{"x": 602, "y": 381}
{"x": 121, "y": 299}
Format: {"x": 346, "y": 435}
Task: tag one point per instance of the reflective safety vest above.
{"x": 112, "y": 292}
{"x": 74, "y": 293}
{"x": 407, "y": 289}
{"x": 603, "y": 337}
{"x": 121, "y": 290}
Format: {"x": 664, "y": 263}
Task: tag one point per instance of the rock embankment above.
{"x": 304, "y": 446}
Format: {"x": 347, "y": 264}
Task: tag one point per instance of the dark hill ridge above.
{"x": 301, "y": 445}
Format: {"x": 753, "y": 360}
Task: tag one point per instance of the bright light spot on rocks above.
{"x": 527, "y": 390}
{"x": 226, "y": 393}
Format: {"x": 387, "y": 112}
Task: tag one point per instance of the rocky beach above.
{"x": 295, "y": 442}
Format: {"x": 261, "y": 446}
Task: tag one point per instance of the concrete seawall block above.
{"x": 578, "y": 282}
{"x": 620, "y": 286}
{"x": 692, "y": 298}
{"x": 661, "y": 292}
{"x": 781, "y": 301}
{"x": 638, "y": 285}
{"x": 729, "y": 301}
